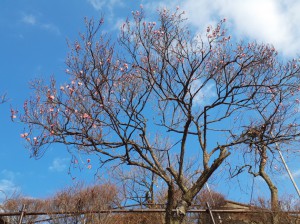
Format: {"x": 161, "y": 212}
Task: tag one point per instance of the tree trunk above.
{"x": 273, "y": 190}
{"x": 274, "y": 199}
{"x": 274, "y": 203}
{"x": 272, "y": 187}
{"x": 170, "y": 205}
{"x": 178, "y": 217}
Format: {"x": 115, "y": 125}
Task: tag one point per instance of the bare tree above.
{"x": 167, "y": 100}
{"x": 85, "y": 201}
{"x": 76, "y": 204}
{"x": 15, "y": 203}
{"x": 272, "y": 126}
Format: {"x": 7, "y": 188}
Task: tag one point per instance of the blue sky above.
{"x": 33, "y": 45}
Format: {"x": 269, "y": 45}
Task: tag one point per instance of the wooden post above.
{"x": 22, "y": 214}
{"x": 210, "y": 213}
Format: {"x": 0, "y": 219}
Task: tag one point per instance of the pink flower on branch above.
{"x": 71, "y": 90}
{"x": 35, "y": 140}
{"x": 24, "y": 135}
{"x": 77, "y": 47}
{"x": 51, "y": 97}
{"x": 13, "y": 114}
{"x": 86, "y": 116}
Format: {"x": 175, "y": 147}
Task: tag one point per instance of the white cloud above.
{"x": 269, "y": 21}
{"x": 29, "y": 19}
{"x": 59, "y": 164}
{"x": 266, "y": 21}
{"x": 206, "y": 93}
{"x": 200, "y": 13}
{"x": 97, "y": 4}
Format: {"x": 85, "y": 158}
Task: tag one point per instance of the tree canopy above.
{"x": 170, "y": 101}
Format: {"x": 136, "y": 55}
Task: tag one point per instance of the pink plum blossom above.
{"x": 51, "y": 97}
{"x": 86, "y": 116}
{"x": 24, "y": 135}
{"x": 77, "y": 47}
{"x": 13, "y": 114}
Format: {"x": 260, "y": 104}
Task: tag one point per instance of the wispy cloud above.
{"x": 7, "y": 184}
{"x": 51, "y": 27}
{"x": 97, "y": 4}
{"x": 295, "y": 174}
{"x": 9, "y": 174}
{"x": 108, "y": 4}
{"x": 59, "y": 164}
{"x": 7, "y": 189}
{"x": 32, "y": 20}
{"x": 29, "y": 19}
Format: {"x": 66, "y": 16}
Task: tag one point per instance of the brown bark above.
{"x": 178, "y": 217}
{"x": 170, "y": 204}
{"x": 271, "y": 186}
{"x": 186, "y": 199}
